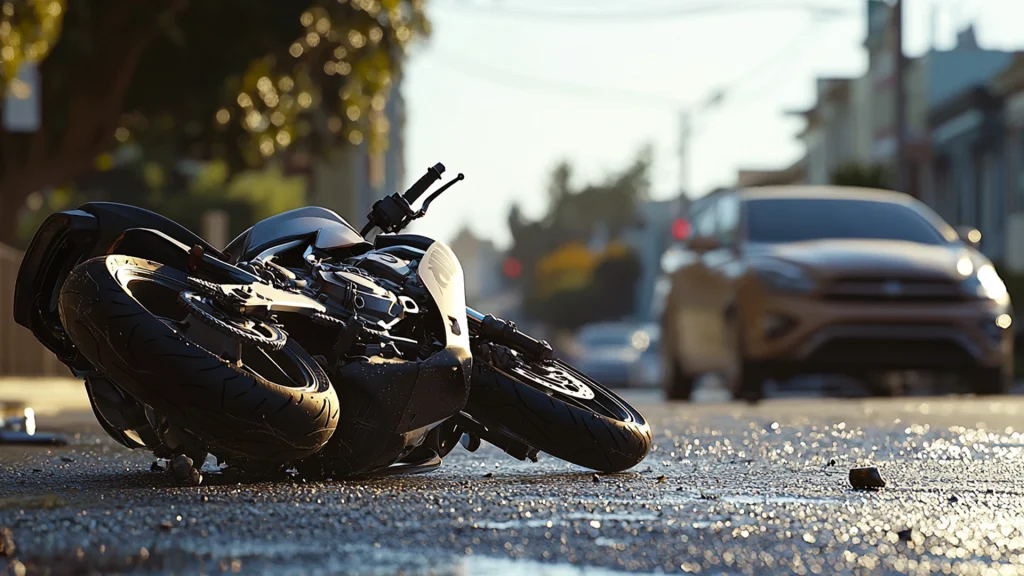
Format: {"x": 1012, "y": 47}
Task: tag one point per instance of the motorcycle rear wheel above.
{"x": 270, "y": 406}
{"x": 557, "y": 410}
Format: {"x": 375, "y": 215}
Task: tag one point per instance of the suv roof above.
{"x": 838, "y": 192}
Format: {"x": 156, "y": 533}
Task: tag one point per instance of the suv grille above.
{"x": 892, "y": 289}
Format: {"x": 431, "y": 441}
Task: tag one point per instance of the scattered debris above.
{"x": 7, "y": 546}
{"x": 662, "y": 479}
{"x": 167, "y": 525}
{"x": 597, "y": 478}
{"x": 156, "y": 467}
{"x": 489, "y": 475}
{"x": 184, "y": 471}
{"x": 867, "y": 478}
{"x": 66, "y": 459}
{"x": 206, "y": 498}
{"x": 953, "y": 500}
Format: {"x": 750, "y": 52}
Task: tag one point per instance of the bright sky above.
{"x": 504, "y": 97}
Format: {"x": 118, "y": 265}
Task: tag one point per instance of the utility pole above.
{"x": 901, "y": 100}
{"x": 686, "y": 117}
{"x": 685, "y": 129}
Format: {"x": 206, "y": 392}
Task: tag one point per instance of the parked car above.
{"x": 786, "y": 281}
{"x": 619, "y": 354}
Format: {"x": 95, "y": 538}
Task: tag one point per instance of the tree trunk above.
{"x": 11, "y": 202}
{"x": 82, "y": 98}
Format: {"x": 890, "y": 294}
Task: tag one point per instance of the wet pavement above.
{"x": 729, "y": 489}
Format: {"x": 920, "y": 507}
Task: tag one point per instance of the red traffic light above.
{"x": 512, "y": 268}
{"x": 680, "y": 229}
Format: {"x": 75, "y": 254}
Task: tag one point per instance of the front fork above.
{"x": 488, "y": 329}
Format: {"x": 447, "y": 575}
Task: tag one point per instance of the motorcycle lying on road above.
{"x": 304, "y": 344}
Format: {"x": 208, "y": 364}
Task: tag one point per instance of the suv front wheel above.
{"x": 749, "y": 384}
{"x": 989, "y": 381}
{"x": 679, "y": 384}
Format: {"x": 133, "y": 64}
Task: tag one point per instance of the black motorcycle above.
{"x": 303, "y": 344}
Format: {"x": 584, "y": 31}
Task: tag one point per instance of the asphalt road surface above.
{"x": 728, "y": 489}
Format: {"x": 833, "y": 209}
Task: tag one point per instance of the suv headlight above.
{"x": 985, "y": 283}
{"x": 784, "y": 277}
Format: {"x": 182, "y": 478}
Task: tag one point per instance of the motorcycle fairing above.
{"x": 441, "y": 273}
{"x": 331, "y": 232}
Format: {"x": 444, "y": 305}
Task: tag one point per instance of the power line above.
{"x": 532, "y": 83}
{"x": 663, "y": 13}
{"x": 805, "y": 35}
{"x": 528, "y": 82}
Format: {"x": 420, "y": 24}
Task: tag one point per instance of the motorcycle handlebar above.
{"x": 425, "y": 182}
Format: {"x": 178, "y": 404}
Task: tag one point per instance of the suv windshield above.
{"x": 783, "y": 220}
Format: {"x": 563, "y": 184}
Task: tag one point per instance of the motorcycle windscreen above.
{"x": 331, "y": 230}
{"x": 441, "y": 272}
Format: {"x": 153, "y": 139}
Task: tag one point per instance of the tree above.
{"x": 231, "y": 79}
{"x": 859, "y": 175}
{"x": 574, "y": 214}
{"x": 557, "y": 279}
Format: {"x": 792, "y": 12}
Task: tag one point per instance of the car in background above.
{"x": 786, "y": 281}
{"x": 619, "y": 354}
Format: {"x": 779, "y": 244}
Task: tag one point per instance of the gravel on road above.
{"x": 728, "y": 489}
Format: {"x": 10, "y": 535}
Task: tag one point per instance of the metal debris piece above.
{"x": 867, "y": 478}
{"x": 7, "y": 546}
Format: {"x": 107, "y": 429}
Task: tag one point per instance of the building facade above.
{"x": 1009, "y": 85}
{"x": 969, "y": 180}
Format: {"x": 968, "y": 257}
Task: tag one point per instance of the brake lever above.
{"x": 426, "y": 203}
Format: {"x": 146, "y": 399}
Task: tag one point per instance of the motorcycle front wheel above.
{"x": 554, "y": 408}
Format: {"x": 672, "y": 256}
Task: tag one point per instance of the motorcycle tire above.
{"x": 602, "y": 433}
{"x": 124, "y": 315}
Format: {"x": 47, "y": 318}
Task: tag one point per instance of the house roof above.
{"x": 976, "y": 97}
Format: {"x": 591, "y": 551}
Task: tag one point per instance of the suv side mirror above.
{"x": 970, "y": 235}
{"x": 701, "y": 244}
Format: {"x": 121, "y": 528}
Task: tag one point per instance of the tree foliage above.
{"x": 860, "y": 175}
{"x": 563, "y": 282}
{"x": 236, "y": 80}
{"x": 575, "y": 214}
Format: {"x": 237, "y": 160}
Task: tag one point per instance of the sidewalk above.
{"x": 59, "y": 403}
{"x": 47, "y": 396}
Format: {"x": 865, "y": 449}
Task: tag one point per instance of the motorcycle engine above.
{"x": 366, "y": 286}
